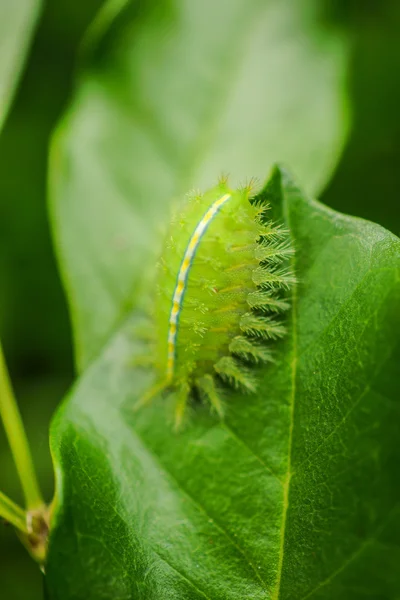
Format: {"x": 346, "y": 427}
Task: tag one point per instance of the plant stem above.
{"x": 17, "y": 439}
{"x": 13, "y": 514}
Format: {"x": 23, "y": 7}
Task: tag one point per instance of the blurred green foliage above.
{"x": 34, "y": 324}
{"x": 366, "y": 182}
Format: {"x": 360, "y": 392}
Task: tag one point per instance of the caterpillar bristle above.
{"x": 193, "y": 194}
{"x": 259, "y": 200}
{"x": 261, "y": 215}
{"x": 273, "y": 278}
{"x": 234, "y": 373}
{"x": 250, "y": 186}
{"x": 254, "y": 184}
{"x": 274, "y": 253}
{"x": 262, "y": 326}
{"x": 151, "y": 393}
{"x": 209, "y": 391}
{"x": 272, "y": 233}
{"x": 197, "y": 305}
{"x": 182, "y": 395}
{"x": 266, "y": 302}
{"x": 249, "y": 350}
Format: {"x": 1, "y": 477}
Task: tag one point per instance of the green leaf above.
{"x": 17, "y": 21}
{"x": 293, "y": 496}
{"x": 173, "y": 95}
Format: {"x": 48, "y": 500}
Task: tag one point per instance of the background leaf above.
{"x": 17, "y": 20}
{"x": 174, "y": 94}
{"x": 34, "y": 324}
{"x": 366, "y": 180}
{"x": 295, "y": 495}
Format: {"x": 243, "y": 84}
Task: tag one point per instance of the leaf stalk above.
{"x": 18, "y": 441}
{"x": 12, "y": 513}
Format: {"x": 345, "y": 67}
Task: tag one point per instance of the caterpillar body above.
{"x": 221, "y": 285}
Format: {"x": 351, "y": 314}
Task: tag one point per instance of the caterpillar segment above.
{"x": 222, "y": 287}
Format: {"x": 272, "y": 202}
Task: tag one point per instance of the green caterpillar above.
{"x": 221, "y": 281}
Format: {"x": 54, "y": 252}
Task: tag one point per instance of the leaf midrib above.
{"x": 286, "y": 486}
{"x": 289, "y": 473}
{"x": 201, "y": 508}
{"x": 159, "y": 556}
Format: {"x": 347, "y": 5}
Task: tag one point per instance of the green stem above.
{"x": 13, "y": 514}
{"x": 17, "y": 439}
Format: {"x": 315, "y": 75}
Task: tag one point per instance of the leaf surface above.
{"x": 173, "y": 95}
{"x": 294, "y": 495}
{"x": 17, "y": 20}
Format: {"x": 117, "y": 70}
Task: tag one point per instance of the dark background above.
{"x": 34, "y": 325}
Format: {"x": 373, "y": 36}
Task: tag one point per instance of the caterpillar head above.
{"x": 221, "y": 283}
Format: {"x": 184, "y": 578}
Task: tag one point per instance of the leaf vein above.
{"x": 251, "y": 451}
{"x": 182, "y": 575}
{"x": 355, "y": 554}
{"x": 202, "y": 510}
